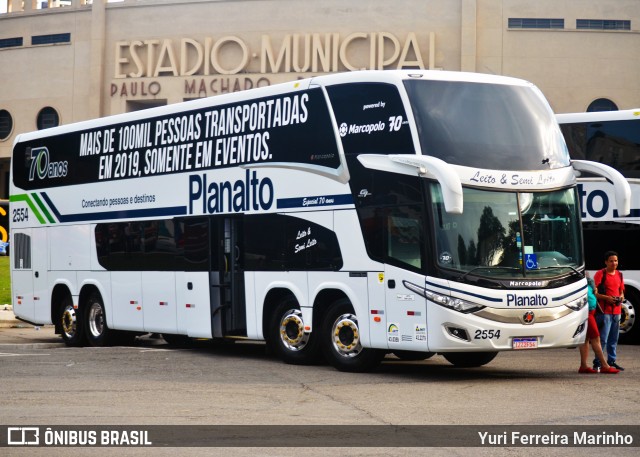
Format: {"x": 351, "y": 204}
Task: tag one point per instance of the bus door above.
{"x": 229, "y": 313}
{"x": 29, "y": 255}
{"x": 406, "y": 311}
{"x": 193, "y": 286}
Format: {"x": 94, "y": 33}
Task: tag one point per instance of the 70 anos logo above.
{"x": 42, "y": 167}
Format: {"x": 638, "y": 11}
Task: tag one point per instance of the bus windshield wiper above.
{"x": 553, "y": 267}
{"x": 497, "y": 267}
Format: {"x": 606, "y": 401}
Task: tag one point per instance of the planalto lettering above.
{"x": 527, "y": 300}
{"x": 251, "y": 194}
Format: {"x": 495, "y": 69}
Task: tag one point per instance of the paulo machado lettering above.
{"x": 213, "y": 137}
{"x": 576, "y": 438}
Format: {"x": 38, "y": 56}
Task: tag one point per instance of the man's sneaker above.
{"x": 596, "y": 368}
{"x": 615, "y": 365}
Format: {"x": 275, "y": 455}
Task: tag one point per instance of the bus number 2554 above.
{"x": 20, "y": 214}
{"x": 487, "y": 334}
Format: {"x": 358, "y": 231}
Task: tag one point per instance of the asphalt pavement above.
{"x": 15, "y": 332}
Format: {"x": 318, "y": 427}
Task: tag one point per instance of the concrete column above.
{"x": 15, "y": 6}
{"x": 96, "y": 74}
{"x": 468, "y": 35}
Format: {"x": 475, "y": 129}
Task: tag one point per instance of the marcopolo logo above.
{"x": 355, "y": 129}
{"x": 42, "y": 167}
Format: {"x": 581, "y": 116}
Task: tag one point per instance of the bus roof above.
{"x": 598, "y": 116}
{"x": 389, "y": 76}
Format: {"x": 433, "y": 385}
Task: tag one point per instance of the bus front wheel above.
{"x": 98, "y": 334}
{"x": 341, "y": 341}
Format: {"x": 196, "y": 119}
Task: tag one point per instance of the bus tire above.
{"x": 97, "y": 332}
{"x": 469, "y": 359}
{"x": 629, "y": 323}
{"x": 287, "y": 338}
{"x": 70, "y": 323}
{"x": 413, "y": 355}
{"x": 341, "y": 341}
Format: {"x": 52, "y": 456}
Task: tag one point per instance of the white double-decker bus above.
{"x": 348, "y": 215}
{"x": 612, "y": 138}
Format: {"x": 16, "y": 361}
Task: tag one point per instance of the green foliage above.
{"x": 5, "y": 281}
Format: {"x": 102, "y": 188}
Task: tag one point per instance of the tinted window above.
{"x": 492, "y": 126}
{"x": 371, "y": 119}
{"x": 283, "y": 243}
{"x": 160, "y": 245}
{"x": 614, "y": 143}
{"x": 394, "y": 235}
{"x": 613, "y": 236}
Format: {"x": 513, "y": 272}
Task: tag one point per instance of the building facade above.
{"x": 68, "y": 61}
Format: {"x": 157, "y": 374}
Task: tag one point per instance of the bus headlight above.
{"x": 456, "y": 304}
{"x": 578, "y": 304}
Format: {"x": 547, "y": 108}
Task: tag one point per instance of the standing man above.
{"x": 610, "y": 294}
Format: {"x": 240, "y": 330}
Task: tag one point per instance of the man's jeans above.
{"x": 608, "y": 336}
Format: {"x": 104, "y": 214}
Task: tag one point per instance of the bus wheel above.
{"x": 413, "y": 355}
{"x": 629, "y": 325}
{"x": 70, "y": 323}
{"x": 341, "y": 341}
{"x": 98, "y": 334}
{"x": 469, "y": 359}
{"x": 287, "y": 338}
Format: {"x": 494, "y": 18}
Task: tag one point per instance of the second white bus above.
{"x": 611, "y": 138}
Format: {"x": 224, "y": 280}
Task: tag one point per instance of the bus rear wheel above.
{"x": 70, "y": 323}
{"x": 287, "y": 338}
{"x": 341, "y": 341}
{"x": 98, "y": 334}
{"x": 469, "y": 359}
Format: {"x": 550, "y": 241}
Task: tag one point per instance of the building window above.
{"x": 10, "y": 42}
{"x": 47, "y": 118}
{"x": 6, "y": 124}
{"x": 602, "y": 104}
{"x": 528, "y": 23}
{"x": 51, "y": 39}
{"x": 602, "y": 24}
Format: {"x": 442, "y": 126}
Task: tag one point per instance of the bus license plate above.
{"x": 525, "y": 343}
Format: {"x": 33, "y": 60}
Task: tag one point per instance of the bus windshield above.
{"x": 509, "y": 235}
{"x": 486, "y": 125}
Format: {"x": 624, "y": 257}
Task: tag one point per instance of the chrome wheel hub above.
{"x": 96, "y": 320}
{"x": 346, "y": 336}
{"x": 69, "y": 325}
{"x": 292, "y": 332}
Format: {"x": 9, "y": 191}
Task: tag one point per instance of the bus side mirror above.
{"x": 620, "y": 184}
